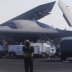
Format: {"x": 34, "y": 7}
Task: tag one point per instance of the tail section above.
{"x": 34, "y": 14}
{"x": 37, "y": 12}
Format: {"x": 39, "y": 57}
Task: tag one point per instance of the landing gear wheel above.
{"x": 63, "y": 58}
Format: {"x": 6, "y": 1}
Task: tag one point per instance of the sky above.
{"x": 12, "y": 8}
{"x": 56, "y": 19}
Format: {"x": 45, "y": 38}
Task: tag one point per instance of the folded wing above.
{"x": 67, "y": 12}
